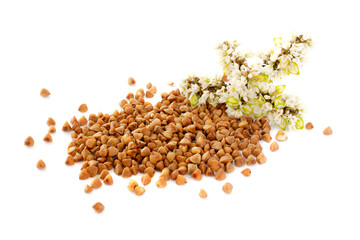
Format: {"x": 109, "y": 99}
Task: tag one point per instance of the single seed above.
{"x": 202, "y": 193}
{"x": 96, "y": 183}
{"x": 108, "y": 180}
{"x": 261, "y": 159}
{"x": 220, "y": 174}
{"x": 139, "y": 190}
{"x": 197, "y": 175}
{"x": 98, "y": 207}
{"x": 148, "y": 86}
{"x": 132, "y": 184}
{"x": 281, "y": 136}
{"x": 69, "y": 160}
{"x": 88, "y": 189}
{"x": 180, "y": 180}
{"x": 103, "y": 174}
{"x": 29, "y": 141}
{"x": 66, "y": 127}
{"x": 227, "y": 188}
{"x": 83, "y": 108}
{"x": 170, "y": 83}
{"x": 309, "y": 126}
{"x": 146, "y": 179}
{"x": 40, "y": 164}
{"x": 153, "y": 90}
{"x": 161, "y": 183}
{"x": 131, "y": 81}
{"x": 267, "y": 137}
{"x": 44, "y": 92}
{"x": 149, "y": 94}
{"x": 47, "y": 138}
{"x": 195, "y": 158}
{"x": 84, "y": 175}
{"x": 274, "y": 146}
{"x": 82, "y": 120}
{"x": 246, "y": 172}
{"x": 52, "y": 129}
{"x": 328, "y": 131}
{"x": 50, "y": 122}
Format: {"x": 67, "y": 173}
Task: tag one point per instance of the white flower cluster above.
{"x": 248, "y": 89}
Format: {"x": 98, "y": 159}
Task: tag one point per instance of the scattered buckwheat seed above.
{"x": 50, "y": 122}
{"x": 139, "y": 190}
{"x": 246, "y": 172}
{"x": 281, "y": 136}
{"x": 29, "y": 141}
{"x": 202, "y": 193}
{"x": 96, "y": 183}
{"x": 309, "y": 126}
{"x": 83, "y": 108}
{"x": 146, "y": 179}
{"x": 52, "y": 129}
{"x": 44, "y": 92}
{"x": 98, "y": 207}
{"x": 40, "y": 164}
{"x": 327, "y": 131}
{"x": 88, "y": 189}
{"x": 48, "y": 138}
{"x": 108, "y": 180}
{"x": 131, "y": 81}
{"x": 227, "y": 188}
{"x": 274, "y": 146}
{"x": 132, "y": 185}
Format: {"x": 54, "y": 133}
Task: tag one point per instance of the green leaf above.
{"x": 299, "y": 123}
{"x": 246, "y": 109}
{"x": 279, "y": 89}
{"x": 193, "y": 99}
{"x": 283, "y": 123}
{"x": 278, "y": 103}
{"x": 233, "y": 102}
{"x": 293, "y": 68}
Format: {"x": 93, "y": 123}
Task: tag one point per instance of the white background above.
{"x": 84, "y": 52}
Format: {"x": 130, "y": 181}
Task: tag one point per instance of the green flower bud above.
{"x": 283, "y": 123}
{"x": 292, "y": 68}
{"x": 299, "y": 123}
{"x": 279, "y": 89}
{"x": 233, "y": 102}
{"x": 278, "y": 103}
{"x": 193, "y": 99}
{"x": 246, "y": 109}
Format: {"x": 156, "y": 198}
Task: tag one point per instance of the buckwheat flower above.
{"x": 234, "y": 112}
{"x": 291, "y": 101}
{"x": 204, "y": 97}
{"x": 227, "y": 59}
